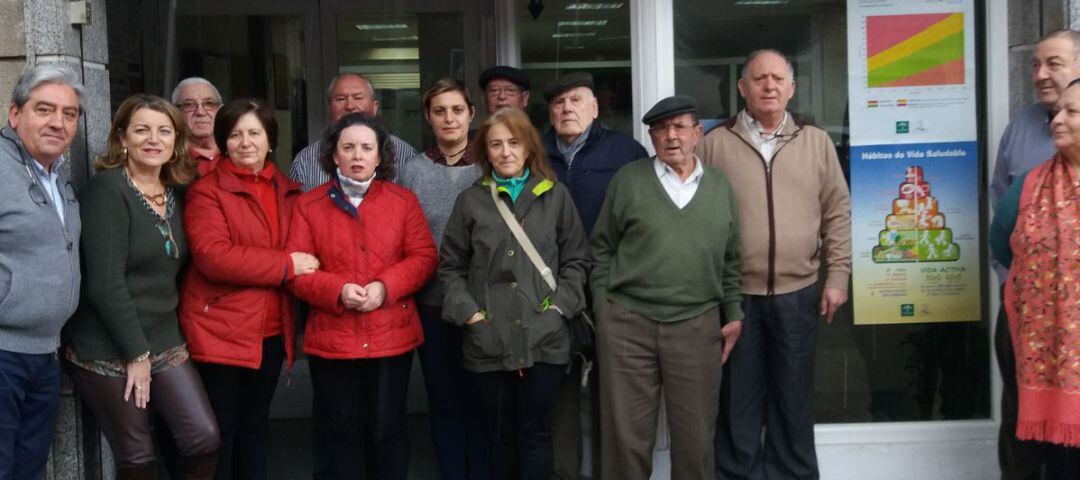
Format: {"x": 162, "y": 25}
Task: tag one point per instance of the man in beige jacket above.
{"x": 795, "y": 212}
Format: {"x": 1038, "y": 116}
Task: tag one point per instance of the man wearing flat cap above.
{"x": 795, "y": 211}
{"x": 585, "y": 156}
{"x": 504, "y": 86}
{"x": 666, "y": 284}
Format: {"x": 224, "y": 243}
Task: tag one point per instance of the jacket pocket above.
{"x": 482, "y": 341}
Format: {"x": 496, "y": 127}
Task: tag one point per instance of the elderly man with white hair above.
{"x": 199, "y": 101}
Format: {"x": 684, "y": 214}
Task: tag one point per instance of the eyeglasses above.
{"x": 166, "y": 232}
{"x": 192, "y": 105}
{"x": 496, "y": 91}
{"x": 679, "y": 128}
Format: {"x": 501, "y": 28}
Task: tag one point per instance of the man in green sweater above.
{"x": 666, "y": 282}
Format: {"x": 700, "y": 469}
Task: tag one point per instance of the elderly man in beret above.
{"x": 666, "y": 283}
{"x": 585, "y": 156}
{"x": 504, "y": 86}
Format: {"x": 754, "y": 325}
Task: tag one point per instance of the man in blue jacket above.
{"x": 585, "y": 156}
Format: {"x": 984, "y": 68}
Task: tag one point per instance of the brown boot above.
{"x": 200, "y": 467}
{"x": 142, "y": 471}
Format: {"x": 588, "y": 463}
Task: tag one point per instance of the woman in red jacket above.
{"x": 234, "y": 310}
{"x": 376, "y": 251}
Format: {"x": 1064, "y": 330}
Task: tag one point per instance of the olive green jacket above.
{"x": 482, "y": 268}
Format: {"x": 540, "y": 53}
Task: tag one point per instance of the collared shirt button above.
{"x": 513, "y": 284}
{"x": 509, "y": 253}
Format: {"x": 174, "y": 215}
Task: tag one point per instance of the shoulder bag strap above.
{"x": 522, "y": 238}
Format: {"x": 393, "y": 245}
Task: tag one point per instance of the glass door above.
{"x": 403, "y": 47}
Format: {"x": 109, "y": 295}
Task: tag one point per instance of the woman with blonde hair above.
{"x": 125, "y": 334}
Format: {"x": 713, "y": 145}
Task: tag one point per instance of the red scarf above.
{"x": 1042, "y": 301}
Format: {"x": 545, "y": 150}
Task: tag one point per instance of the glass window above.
{"x": 402, "y": 54}
{"x": 252, "y": 56}
{"x": 865, "y": 373}
{"x": 572, "y": 36}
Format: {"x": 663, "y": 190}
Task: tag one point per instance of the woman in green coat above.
{"x": 515, "y": 336}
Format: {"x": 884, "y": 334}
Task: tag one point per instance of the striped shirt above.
{"x": 306, "y": 169}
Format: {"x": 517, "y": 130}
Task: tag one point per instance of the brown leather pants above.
{"x": 176, "y": 395}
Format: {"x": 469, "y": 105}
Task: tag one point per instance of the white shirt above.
{"x": 680, "y": 191}
{"x": 48, "y": 180}
{"x": 764, "y": 141}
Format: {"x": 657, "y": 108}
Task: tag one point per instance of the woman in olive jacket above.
{"x": 515, "y": 340}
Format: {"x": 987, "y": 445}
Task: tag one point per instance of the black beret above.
{"x": 670, "y": 106}
{"x": 515, "y": 76}
{"x": 566, "y": 82}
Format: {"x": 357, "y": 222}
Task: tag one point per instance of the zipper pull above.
{"x": 206, "y": 308}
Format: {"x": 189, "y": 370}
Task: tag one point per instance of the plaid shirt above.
{"x": 306, "y": 169}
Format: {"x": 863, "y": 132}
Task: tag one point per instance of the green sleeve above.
{"x": 106, "y": 223}
{"x": 603, "y": 242}
{"x": 732, "y": 279}
{"x": 455, "y": 257}
{"x": 1004, "y": 222}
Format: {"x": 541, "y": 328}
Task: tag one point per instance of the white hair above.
{"x": 193, "y": 81}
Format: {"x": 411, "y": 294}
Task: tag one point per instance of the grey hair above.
{"x": 194, "y": 81}
{"x": 333, "y": 82}
{"x": 1071, "y": 35}
{"x": 41, "y": 74}
{"x": 757, "y": 53}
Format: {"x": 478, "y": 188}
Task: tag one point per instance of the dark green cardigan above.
{"x": 130, "y": 292}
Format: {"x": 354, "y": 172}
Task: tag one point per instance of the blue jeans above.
{"x": 519, "y": 406}
{"x": 457, "y": 424}
{"x": 29, "y": 396}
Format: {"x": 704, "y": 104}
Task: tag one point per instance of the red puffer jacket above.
{"x": 236, "y": 269}
{"x": 387, "y": 240}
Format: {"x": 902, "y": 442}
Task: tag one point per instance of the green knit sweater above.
{"x": 661, "y": 262}
{"x": 130, "y": 294}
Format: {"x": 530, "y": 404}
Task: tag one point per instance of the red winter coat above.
{"x": 235, "y": 269}
{"x": 387, "y": 240}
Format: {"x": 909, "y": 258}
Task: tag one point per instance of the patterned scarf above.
{"x": 1042, "y": 301}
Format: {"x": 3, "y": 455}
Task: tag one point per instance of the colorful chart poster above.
{"x": 914, "y": 161}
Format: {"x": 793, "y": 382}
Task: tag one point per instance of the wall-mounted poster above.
{"x": 914, "y": 161}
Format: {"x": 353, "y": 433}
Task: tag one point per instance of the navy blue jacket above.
{"x": 605, "y": 152}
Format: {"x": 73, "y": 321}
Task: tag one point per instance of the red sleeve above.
{"x": 419, "y": 257}
{"x": 215, "y": 254}
{"x": 321, "y": 289}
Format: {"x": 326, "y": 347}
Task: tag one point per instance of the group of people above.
{"x": 181, "y": 263}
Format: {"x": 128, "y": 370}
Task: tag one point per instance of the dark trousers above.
{"x": 29, "y": 396}
{"x": 768, "y": 382}
{"x": 518, "y": 406}
{"x": 1024, "y": 459}
{"x": 241, "y": 401}
{"x": 355, "y": 399}
{"x": 176, "y": 396}
{"x": 638, "y": 358}
{"x": 457, "y": 422}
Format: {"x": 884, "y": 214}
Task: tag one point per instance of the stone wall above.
{"x": 1029, "y": 20}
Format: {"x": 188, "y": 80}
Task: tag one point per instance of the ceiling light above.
{"x": 582, "y": 23}
{"x": 594, "y": 6}
{"x": 573, "y": 35}
{"x": 760, "y": 2}
{"x": 381, "y": 26}
{"x": 403, "y": 38}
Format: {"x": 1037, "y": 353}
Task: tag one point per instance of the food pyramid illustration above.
{"x": 915, "y": 231}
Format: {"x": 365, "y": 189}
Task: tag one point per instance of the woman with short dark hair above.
{"x": 235, "y": 311}
{"x": 125, "y": 335}
{"x": 376, "y": 252}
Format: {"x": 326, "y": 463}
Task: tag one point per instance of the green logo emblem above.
{"x": 907, "y": 310}
{"x": 902, "y": 127}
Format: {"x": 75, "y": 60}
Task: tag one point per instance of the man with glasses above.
{"x": 665, "y": 276}
{"x": 585, "y": 155}
{"x": 39, "y": 261}
{"x": 795, "y": 214}
{"x": 348, "y": 93}
{"x": 504, "y": 86}
{"x": 199, "y": 101}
